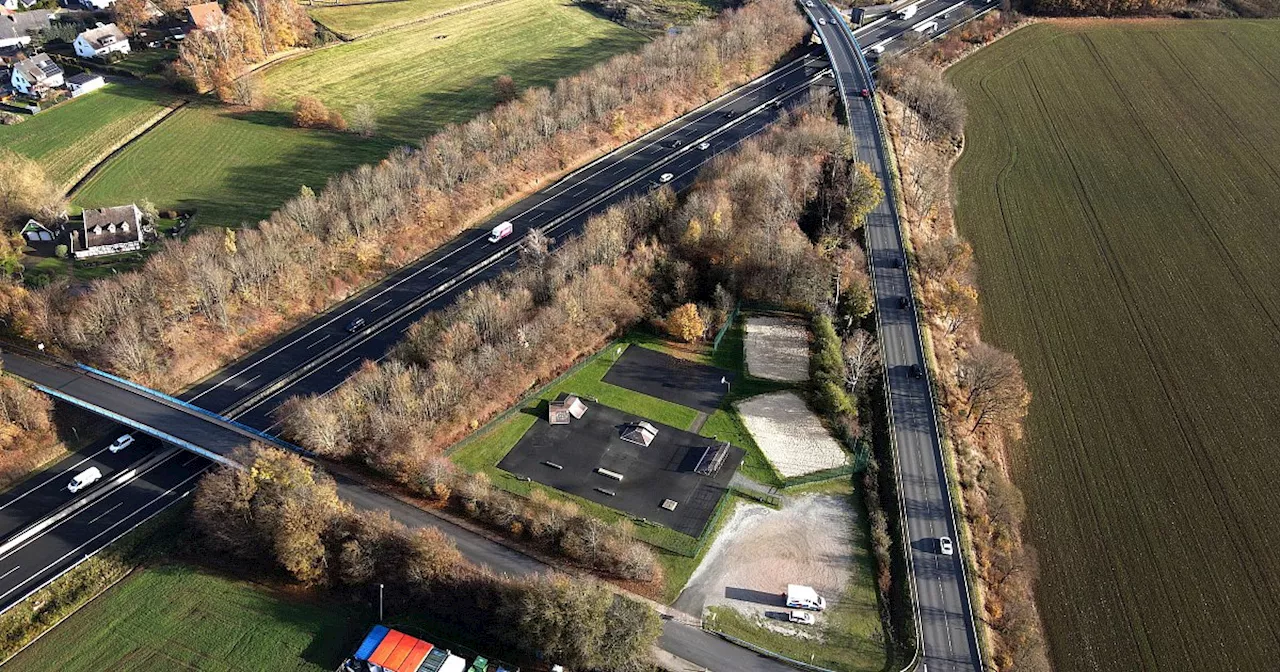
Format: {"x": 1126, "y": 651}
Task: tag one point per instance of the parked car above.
{"x": 945, "y": 546}
{"x": 85, "y": 479}
{"x": 666, "y": 177}
{"x": 801, "y": 617}
{"x": 124, "y": 441}
{"x": 355, "y": 325}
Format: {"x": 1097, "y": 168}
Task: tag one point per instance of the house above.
{"x": 16, "y": 28}
{"x": 36, "y": 75}
{"x": 97, "y": 4}
{"x": 84, "y": 83}
{"x": 108, "y": 231}
{"x": 101, "y": 41}
{"x": 207, "y": 16}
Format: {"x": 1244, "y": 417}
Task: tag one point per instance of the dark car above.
{"x": 916, "y": 371}
{"x": 676, "y": 144}
{"x": 780, "y": 87}
{"x": 355, "y": 325}
{"x": 903, "y": 302}
{"x": 729, "y": 114}
{"x": 897, "y": 262}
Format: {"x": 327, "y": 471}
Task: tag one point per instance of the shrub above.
{"x": 685, "y": 323}
{"x": 309, "y": 112}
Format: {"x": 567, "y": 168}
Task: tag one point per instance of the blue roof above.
{"x": 371, "y": 642}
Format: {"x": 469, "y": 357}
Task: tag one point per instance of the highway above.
{"x": 948, "y": 640}
{"x": 318, "y": 355}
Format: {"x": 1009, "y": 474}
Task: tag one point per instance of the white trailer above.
{"x": 908, "y": 11}
{"x": 925, "y": 27}
{"x": 804, "y": 597}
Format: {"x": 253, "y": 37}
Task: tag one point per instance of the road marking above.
{"x": 100, "y": 515}
{"x": 326, "y": 337}
{"x": 380, "y": 306}
{"x": 15, "y": 568}
{"x": 247, "y": 382}
{"x": 348, "y": 364}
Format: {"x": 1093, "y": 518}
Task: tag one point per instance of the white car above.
{"x": 945, "y": 545}
{"x": 704, "y": 146}
{"x": 121, "y": 443}
{"x": 84, "y": 479}
{"x": 809, "y": 4}
{"x": 666, "y": 177}
{"x": 822, "y": 22}
{"x": 801, "y": 617}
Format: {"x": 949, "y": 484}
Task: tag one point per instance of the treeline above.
{"x": 459, "y": 366}
{"x": 27, "y": 436}
{"x": 280, "y": 515}
{"x": 198, "y": 303}
{"x": 214, "y": 60}
{"x": 983, "y": 396}
{"x": 939, "y": 107}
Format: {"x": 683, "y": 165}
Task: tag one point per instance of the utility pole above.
{"x": 379, "y": 602}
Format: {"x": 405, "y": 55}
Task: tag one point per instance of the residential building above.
{"x": 97, "y": 4}
{"x": 16, "y": 28}
{"x": 108, "y": 231}
{"x": 35, "y": 76}
{"x": 101, "y": 41}
{"x": 207, "y": 16}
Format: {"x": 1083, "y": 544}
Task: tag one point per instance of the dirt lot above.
{"x": 761, "y": 550}
{"x": 777, "y": 349}
{"x": 790, "y": 435}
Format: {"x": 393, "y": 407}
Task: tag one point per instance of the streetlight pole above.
{"x": 379, "y": 602}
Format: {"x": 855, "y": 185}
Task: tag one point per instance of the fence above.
{"x": 728, "y": 322}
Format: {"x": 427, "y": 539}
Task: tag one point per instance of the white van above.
{"x": 84, "y": 479}
{"x": 804, "y": 597}
{"x": 500, "y": 231}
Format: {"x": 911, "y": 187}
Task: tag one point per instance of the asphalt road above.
{"x": 947, "y": 635}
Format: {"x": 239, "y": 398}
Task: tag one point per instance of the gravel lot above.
{"x": 791, "y": 436}
{"x": 777, "y": 349}
{"x": 761, "y": 550}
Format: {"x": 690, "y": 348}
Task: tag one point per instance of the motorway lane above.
{"x": 948, "y": 640}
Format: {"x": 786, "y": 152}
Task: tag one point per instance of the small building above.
{"x": 387, "y": 650}
{"x": 16, "y": 28}
{"x": 207, "y": 16}
{"x": 97, "y": 4}
{"x": 640, "y": 433}
{"x": 564, "y": 409}
{"x": 35, "y": 76}
{"x": 108, "y": 231}
{"x": 35, "y": 232}
{"x": 101, "y": 41}
{"x": 83, "y": 83}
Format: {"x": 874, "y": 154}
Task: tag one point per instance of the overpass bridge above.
{"x": 153, "y": 413}
{"x": 945, "y": 628}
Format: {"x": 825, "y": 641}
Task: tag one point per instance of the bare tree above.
{"x": 994, "y": 390}
{"x": 861, "y": 358}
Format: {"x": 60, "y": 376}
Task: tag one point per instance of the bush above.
{"x": 827, "y": 362}
{"x": 60, "y": 251}
{"x": 309, "y": 112}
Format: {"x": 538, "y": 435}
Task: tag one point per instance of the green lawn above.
{"x": 72, "y": 136}
{"x": 352, "y": 21}
{"x": 1120, "y": 184}
{"x": 174, "y": 617}
{"x": 850, "y": 638}
{"x": 231, "y": 167}
{"x": 425, "y": 76}
{"x": 147, "y": 63}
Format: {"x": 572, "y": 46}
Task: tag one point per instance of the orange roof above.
{"x": 388, "y": 645}
{"x": 207, "y": 15}
{"x": 396, "y": 659}
{"x": 416, "y": 656}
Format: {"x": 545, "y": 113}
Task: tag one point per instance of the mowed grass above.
{"x": 425, "y": 76}
{"x": 352, "y": 21}
{"x": 1121, "y": 186}
{"x": 231, "y": 167}
{"x": 69, "y": 138}
{"x": 174, "y": 617}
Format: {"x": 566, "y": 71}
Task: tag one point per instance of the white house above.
{"x": 17, "y": 28}
{"x": 83, "y": 83}
{"x": 97, "y": 4}
{"x": 101, "y": 41}
{"x": 36, "y": 75}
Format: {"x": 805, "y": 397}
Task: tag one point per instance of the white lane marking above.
{"x": 100, "y": 515}
{"x": 348, "y": 364}
{"x": 326, "y": 337}
{"x": 15, "y": 568}
{"x": 248, "y": 381}
{"x": 382, "y": 305}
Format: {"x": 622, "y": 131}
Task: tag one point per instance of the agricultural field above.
{"x": 1121, "y": 185}
{"x": 71, "y": 137}
{"x": 176, "y": 617}
{"x": 425, "y": 76}
{"x": 353, "y": 21}
{"x": 231, "y": 167}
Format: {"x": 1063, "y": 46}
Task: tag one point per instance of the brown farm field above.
{"x": 1121, "y": 187}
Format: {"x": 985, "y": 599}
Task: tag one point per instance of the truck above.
{"x": 501, "y": 231}
{"x": 804, "y": 597}
{"x": 925, "y": 27}
{"x": 908, "y": 11}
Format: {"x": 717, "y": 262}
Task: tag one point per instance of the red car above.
{"x": 866, "y": 93}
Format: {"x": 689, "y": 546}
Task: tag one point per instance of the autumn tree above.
{"x": 685, "y": 324}
{"x": 25, "y": 190}
{"x": 309, "y": 112}
{"x": 130, "y": 15}
{"x": 957, "y": 305}
{"x": 865, "y": 193}
{"x": 994, "y": 392}
{"x": 504, "y": 89}
{"x": 861, "y": 358}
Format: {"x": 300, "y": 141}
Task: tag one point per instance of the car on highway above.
{"x": 666, "y": 177}
{"x": 916, "y": 371}
{"x": 124, "y": 441}
{"x": 729, "y": 114}
{"x": 904, "y": 302}
{"x": 945, "y": 546}
{"x": 780, "y": 87}
{"x": 355, "y": 325}
{"x": 704, "y": 146}
{"x": 822, "y": 22}
{"x": 897, "y": 262}
{"x": 801, "y": 617}
{"x": 677, "y": 144}
{"x": 865, "y": 93}
{"x": 809, "y": 3}
{"x": 85, "y": 479}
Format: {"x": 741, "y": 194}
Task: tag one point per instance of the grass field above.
{"x": 1121, "y": 186}
{"x": 71, "y": 136}
{"x": 231, "y": 167}
{"x": 352, "y": 21}
{"x": 175, "y": 617}
{"x": 418, "y": 81}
